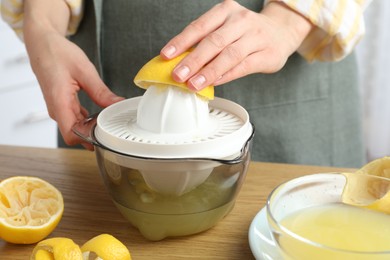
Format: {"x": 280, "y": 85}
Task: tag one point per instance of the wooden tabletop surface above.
{"x": 90, "y": 212}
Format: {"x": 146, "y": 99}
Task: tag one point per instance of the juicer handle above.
{"x": 84, "y": 129}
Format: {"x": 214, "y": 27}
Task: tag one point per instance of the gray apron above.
{"x": 303, "y": 114}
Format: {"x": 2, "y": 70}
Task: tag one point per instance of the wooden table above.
{"x": 89, "y": 210}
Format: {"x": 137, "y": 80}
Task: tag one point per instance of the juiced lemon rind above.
{"x": 59, "y": 248}
{"x": 106, "y": 246}
{"x": 103, "y": 246}
{"x": 30, "y": 209}
{"x": 378, "y": 167}
{"x": 370, "y": 193}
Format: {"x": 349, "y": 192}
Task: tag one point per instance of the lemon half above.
{"x": 158, "y": 72}
{"x": 30, "y": 209}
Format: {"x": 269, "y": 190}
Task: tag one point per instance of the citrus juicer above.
{"x": 182, "y": 156}
{"x": 168, "y": 122}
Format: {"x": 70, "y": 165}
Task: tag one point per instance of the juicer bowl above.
{"x": 159, "y": 215}
{"x": 169, "y": 197}
{"x": 315, "y": 194}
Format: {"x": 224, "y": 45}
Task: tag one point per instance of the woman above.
{"x": 303, "y": 112}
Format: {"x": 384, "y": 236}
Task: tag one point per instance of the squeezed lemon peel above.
{"x": 368, "y": 192}
{"x": 58, "y": 248}
{"x": 106, "y": 246}
{"x": 103, "y": 246}
{"x": 30, "y": 209}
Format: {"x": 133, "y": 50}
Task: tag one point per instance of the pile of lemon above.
{"x": 31, "y": 208}
{"x": 103, "y": 246}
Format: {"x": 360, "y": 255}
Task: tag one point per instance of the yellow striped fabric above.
{"x": 339, "y": 25}
{"x": 12, "y": 13}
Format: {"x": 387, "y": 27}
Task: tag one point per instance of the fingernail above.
{"x": 169, "y": 51}
{"x": 182, "y": 72}
{"x": 198, "y": 81}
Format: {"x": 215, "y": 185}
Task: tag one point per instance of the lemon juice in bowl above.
{"x": 158, "y": 215}
{"x": 338, "y": 231}
{"x": 308, "y": 220}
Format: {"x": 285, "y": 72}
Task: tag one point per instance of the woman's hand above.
{"x": 62, "y": 69}
{"x": 231, "y": 42}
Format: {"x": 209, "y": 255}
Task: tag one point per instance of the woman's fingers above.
{"x": 208, "y": 48}
{"x": 232, "y": 55}
{"x": 251, "y": 64}
{"x": 232, "y": 41}
{"x": 90, "y": 81}
{"x": 197, "y": 30}
{"x": 220, "y": 45}
{"x": 64, "y": 73}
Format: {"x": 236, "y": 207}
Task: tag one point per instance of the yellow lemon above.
{"x": 369, "y": 187}
{"x": 158, "y": 72}
{"x": 30, "y": 209}
{"x": 105, "y": 247}
{"x": 58, "y": 248}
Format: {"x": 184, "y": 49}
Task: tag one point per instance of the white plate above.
{"x": 260, "y": 239}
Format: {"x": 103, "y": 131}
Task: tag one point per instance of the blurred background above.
{"x": 25, "y": 121}
{"x": 374, "y": 63}
{"x": 23, "y": 116}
